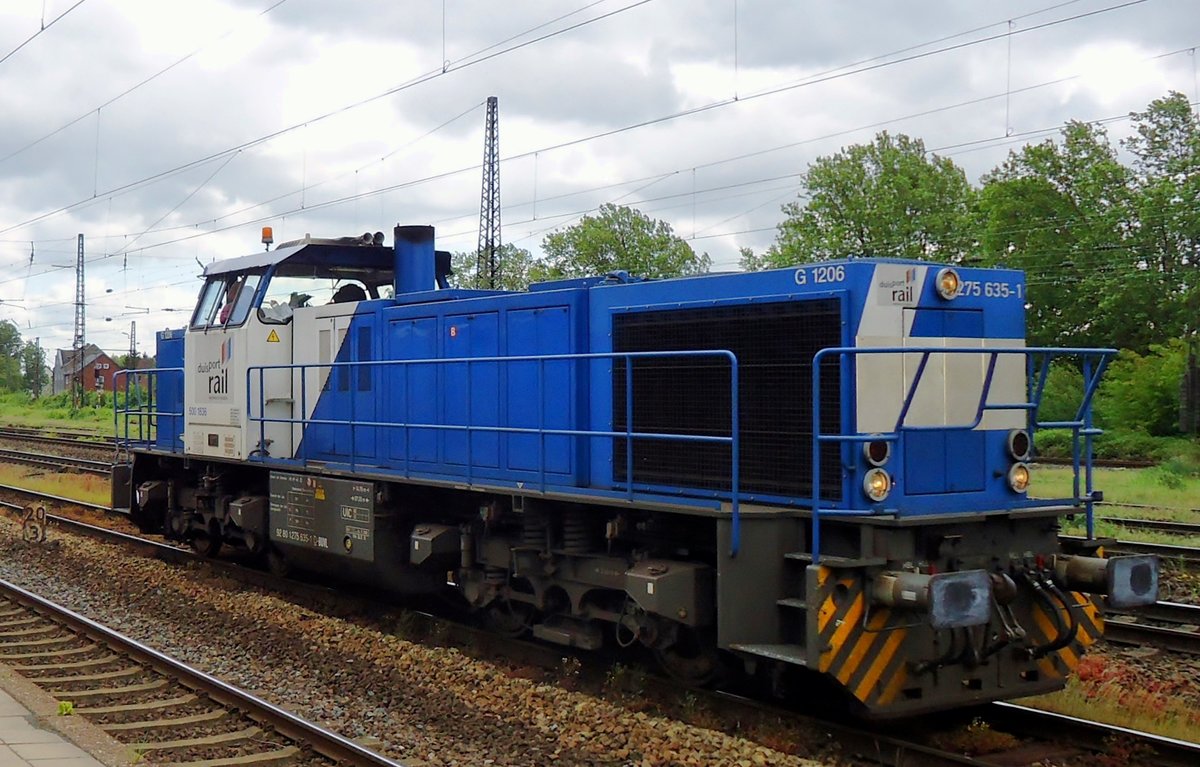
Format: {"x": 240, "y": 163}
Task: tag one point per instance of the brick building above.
{"x": 98, "y": 369}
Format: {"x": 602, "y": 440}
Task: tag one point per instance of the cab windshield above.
{"x": 225, "y": 300}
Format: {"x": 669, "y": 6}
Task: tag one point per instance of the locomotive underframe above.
{"x": 589, "y": 574}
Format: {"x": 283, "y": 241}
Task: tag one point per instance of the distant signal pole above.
{"x": 487, "y": 268}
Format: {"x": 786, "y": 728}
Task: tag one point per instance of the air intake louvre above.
{"x": 774, "y": 344}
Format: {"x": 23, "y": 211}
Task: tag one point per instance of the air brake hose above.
{"x": 1068, "y": 636}
{"x": 1061, "y": 629}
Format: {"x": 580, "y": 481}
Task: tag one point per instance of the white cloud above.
{"x": 257, "y": 74}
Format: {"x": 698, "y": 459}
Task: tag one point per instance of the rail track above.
{"x": 1036, "y": 723}
{"x": 1156, "y": 525}
{"x": 1104, "y": 463}
{"x": 47, "y": 461}
{"x": 1181, "y": 634}
{"x": 873, "y": 745}
{"x": 54, "y": 437}
{"x": 129, "y": 690}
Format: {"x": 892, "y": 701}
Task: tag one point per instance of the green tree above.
{"x": 887, "y": 198}
{"x": 10, "y": 356}
{"x": 1060, "y": 210}
{"x": 1166, "y": 201}
{"x": 517, "y": 268}
{"x": 33, "y": 369}
{"x": 1141, "y": 392}
{"x": 620, "y": 238}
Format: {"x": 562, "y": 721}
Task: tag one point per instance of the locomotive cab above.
{"x": 246, "y": 314}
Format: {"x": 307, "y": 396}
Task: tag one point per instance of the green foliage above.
{"x": 1141, "y": 392}
{"x": 1128, "y": 445}
{"x": 1052, "y": 443}
{"x": 886, "y": 198}
{"x": 620, "y": 238}
{"x": 1062, "y": 393}
{"x": 517, "y": 268}
{"x": 34, "y": 376}
{"x": 10, "y": 356}
{"x": 1060, "y": 211}
{"x": 1123, "y": 445}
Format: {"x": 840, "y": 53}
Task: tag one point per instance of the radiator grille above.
{"x": 774, "y": 344}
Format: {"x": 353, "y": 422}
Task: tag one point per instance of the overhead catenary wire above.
{"x": 136, "y": 86}
{"x": 40, "y": 31}
{"x": 473, "y": 60}
{"x": 604, "y": 134}
{"x": 756, "y": 153}
{"x": 286, "y": 214}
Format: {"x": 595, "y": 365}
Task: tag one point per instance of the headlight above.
{"x": 1019, "y": 444}
{"x": 948, "y": 283}
{"x": 877, "y": 484}
{"x": 1018, "y": 477}
{"x": 877, "y": 452}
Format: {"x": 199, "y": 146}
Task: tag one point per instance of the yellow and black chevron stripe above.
{"x": 1091, "y": 627}
{"x": 859, "y": 645}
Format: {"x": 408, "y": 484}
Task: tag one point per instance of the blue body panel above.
{"x": 168, "y": 390}
{"x": 519, "y": 394}
{"x": 480, "y": 387}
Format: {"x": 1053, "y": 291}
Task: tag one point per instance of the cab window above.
{"x": 225, "y": 300}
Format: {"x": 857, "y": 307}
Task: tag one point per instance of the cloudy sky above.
{"x": 169, "y": 131}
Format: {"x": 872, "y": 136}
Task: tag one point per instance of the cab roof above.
{"x": 307, "y": 257}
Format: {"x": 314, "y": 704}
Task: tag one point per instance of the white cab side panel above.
{"x": 319, "y": 332}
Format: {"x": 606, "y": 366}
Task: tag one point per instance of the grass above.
{"x": 1113, "y": 692}
{"x": 91, "y": 488}
{"x": 55, "y": 411}
{"x": 1166, "y": 493}
{"x": 1140, "y": 486}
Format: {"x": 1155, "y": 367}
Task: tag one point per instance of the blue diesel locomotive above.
{"x": 820, "y": 469}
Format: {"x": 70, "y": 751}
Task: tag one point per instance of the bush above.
{"x": 1134, "y": 445}
{"x": 1141, "y": 393}
{"x": 1062, "y": 393}
{"x": 1181, "y": 453}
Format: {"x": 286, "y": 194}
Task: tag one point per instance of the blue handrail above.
{"x": 145, "y": 414}
{"x": 1081, "y": 426}
{"x": 628, "y": 434}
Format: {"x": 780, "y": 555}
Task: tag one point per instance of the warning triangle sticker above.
{"x": 273, "y": 338}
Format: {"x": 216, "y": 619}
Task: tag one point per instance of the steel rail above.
{"x": 57, "y": 498}
{"x": 1186, "y": 554}
{"x": 1103, "y": 463}
{"x": 1159, "y": 525}
{"x": 884, "y": 748}
{"x": 1165, "y": 637}
{"x": 56, "y": 461}
{"x": 321, "y": 740}
{"x": 97, "y": 441}
{"x": 1169, "y": 752}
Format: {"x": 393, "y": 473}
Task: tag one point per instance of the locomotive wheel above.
{"x": 148, "y": 521}
{"x": 693, "y": 659}
{"x": 207, "y": 544}
{"x": 507, "y": 618}
{"x": 277, "y": 563}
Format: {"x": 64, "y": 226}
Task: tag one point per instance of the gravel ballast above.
{"x": 422, "y": 704}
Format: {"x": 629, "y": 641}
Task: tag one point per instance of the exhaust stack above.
{"x": 414, "y": 259}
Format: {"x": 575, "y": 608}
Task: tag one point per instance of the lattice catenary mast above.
{"x": 79, "y": 341}
{"x": 487, "y": 267}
